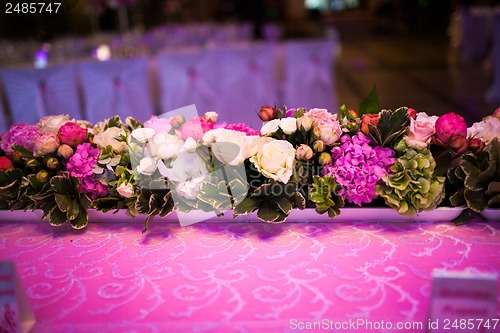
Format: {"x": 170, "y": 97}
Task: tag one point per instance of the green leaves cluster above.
{"x": 324, "y": 193}
{"x": 273, "y": 202}
{"x": 155, "y": 199}
{"x": 477, "y": 178}
{"x": 391, "y": 127}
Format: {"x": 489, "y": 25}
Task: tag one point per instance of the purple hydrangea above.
{"x": 80, "y": 165}
{"x": 21, "y": 134}
{"x": 358, "y": 165}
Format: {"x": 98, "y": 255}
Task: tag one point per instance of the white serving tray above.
{"x": 442, "y": 214}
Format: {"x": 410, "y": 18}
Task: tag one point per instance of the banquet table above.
{"x": 240, "y": 277}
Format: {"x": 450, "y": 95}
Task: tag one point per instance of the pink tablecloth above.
{"x": 237, "y": 277}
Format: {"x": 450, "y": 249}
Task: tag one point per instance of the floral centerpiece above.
{"x": 402, "y": 159}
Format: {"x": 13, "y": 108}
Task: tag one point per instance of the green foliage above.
{"x": 324, "y": 193}
{"x": 70, "y": 205}
{"x": 477, "y": 179}
{"x": 155, "y": 199}
{"x": 391, "y": 127}
{"x": 273, "y": 202}
{"x": 369, "y": 104}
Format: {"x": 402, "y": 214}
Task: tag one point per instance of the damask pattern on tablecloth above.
{"x": 239, "y": 277}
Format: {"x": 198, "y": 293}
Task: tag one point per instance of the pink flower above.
{"x": 21, "y": 134}
{"x": 328, "y": 131}
{"x": 449, "y": 126}
{"x": 241, "y": 127}
{"x": 412, "y": 113}
{"x": 6, "y": 164}
{"x": 195, "y": 128}
{"x": 496, "y": 114}
{"x": 304, "y": 153}
{"x": 159, "y": 124}
{"x": 267, "y": 113}
{"x": 421, "y": 131}
{"x": 72, "y": 134}
{"x": 319, "y": 115}
{"x": 45, "y": 143}
{"x": 81, "y": 165}
{"x": 371, "y": 119}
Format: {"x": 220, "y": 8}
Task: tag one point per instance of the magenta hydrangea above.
{"x": 21, "y": 134}
{"x": 80, "y": 165}
{"x": 358, "y": 165}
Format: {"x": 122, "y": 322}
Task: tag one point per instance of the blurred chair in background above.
{"x": 116, "y": 87}
{"x": 35, "y": 93}
{"x": 493, "y": 94}
{"x": 308, "y": 74}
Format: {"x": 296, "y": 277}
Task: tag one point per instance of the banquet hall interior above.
{"x": 94, "y": 59}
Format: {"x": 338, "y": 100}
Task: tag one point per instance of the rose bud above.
{"x": 17, "y": 156}
{"x": 65, "y": 151}
{"x": 6, "y": 164}
{"x": 32, "y": 163}
{"x": 476, "y": 145}
{"x": 496, "y": 114}
{"x": 267, "y": 113}
{"x": 304, "y": 153}
{"x": 212, "y": 116}
{"x": 318, "y": 146}
{"x": 448, "y": 125}
{"x": 352, "y": 114}
{"x": 42, "y": 176}
{"x": 369, "y": 119}
{"x": 304, "y": 123}
{"x": 72, "y": 134}
{"x": 324, "y": 158}
{"x": 412, "y": 113}
{"x": 52, "y": 163}
{"x": 177, "y": 121}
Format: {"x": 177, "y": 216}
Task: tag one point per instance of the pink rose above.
{"x": 304, "y": 153}
{"x": 328, "y": 131}
{"x": 496, "y": 114}
{"x": 195, "y": 128}
{"x": 369, "y": 119}
{"x": 422, "y": 128}
{"x": 450, "y": 125}
{"x": 45, "y": 143}
{"x": 72, "y": 134}
{"x": 6, "y": 164}
{"x": 159, "y": 124}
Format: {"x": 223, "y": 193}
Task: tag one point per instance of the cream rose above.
{"x": 163, "y": 145}
{"x": 125, "y": 190}
{"x": 229, "y": 146}
{"x": 486, "y": 130}
{"x": 275, "y": 159}
{"x": 422, "y": 128}
{"x": 143, "y": 134}
{"x": 288, "y": 125}
{"x": 109, "y": 138}
{"x": 52, "y": 123}
{"x": 147, "y": 166}
{"x": 270, "y": 127}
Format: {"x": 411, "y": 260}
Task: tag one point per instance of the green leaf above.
{"x": 63, "y": 202}
{"x": 247, "y": 206}
{"x": 475, "y": 200}
{"x": 57, "y": 217}
{"x": 369, "y": 104}
{"x": 393, "y": 125}
{"x": 80, "y": 221}
{"x": 464, "y": 217}
{"x": 284, "y": 204}
{"x": 268, "y": 212}
{"x": 62, "y": 185}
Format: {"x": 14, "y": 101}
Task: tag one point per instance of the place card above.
{"x": 463, "y": 302}
{"x": 16, "y": 315}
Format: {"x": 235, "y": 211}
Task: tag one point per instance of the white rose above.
{"x": 125, "y": 190}
{"x": 190, "y": 145}
{"x": 229, "y": 146}
{"x": 163, "y": 145}
{"x": 288, "y": 125}
{"x": 143, "y": 134}
{"x": 147, "y": 166}
{"x": 275, "y": 159}
{"x": 188, "y": 171}
{"x": 109, "y": 138}
{"x": 486, "y": 130}
{"x": 270, "y": 127}
{"x": 52, "y": 123}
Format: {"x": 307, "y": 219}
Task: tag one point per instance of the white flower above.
{"x": 270, "y": 127}
{"x": 212, "y": 116}
{"x": 288, "y": 125}
{"x": 188, "y": 171}
{"x": 109, "y": 138}
{"x": 125, "y": 190}
{"x": 147, "y": 166}
{"x": 486, "y": 130}
{"x": 229, "y": 146}
{"x": 163, "y": 145}
{"x": 190, "y": 145}
{"x": 275, "y": 159}
{"x": 52, "y": 123}
{"x": 143, "y": 134}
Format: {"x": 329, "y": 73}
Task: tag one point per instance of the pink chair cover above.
{"x": 309, "y": 73}
{"x": 189, "y": 77}
{"x": 35, "y": 93}
{"x": 116, "y": 87}
{"x": 248, "y": 81}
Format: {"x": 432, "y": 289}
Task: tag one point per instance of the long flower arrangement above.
{"x": 402, "y": 159}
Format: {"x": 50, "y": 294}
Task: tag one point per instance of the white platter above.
{"x": 443, "y": 214}
{"x": 491, "y": 214}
